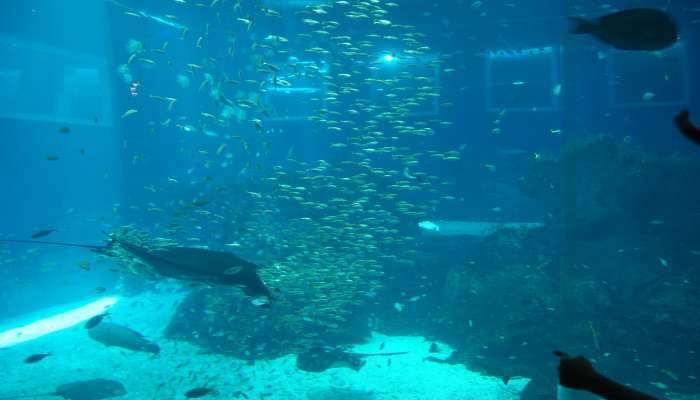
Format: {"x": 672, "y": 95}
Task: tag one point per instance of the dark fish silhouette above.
{"x": 111, "y": 334}
{"x": 94, "y": 389}
{"x": 94, "y": 321}
{"x": 43, "y": 233}
{"x": 190, "y": 264}
{"x": 433, "y": 348}
{"x": 686, "y": 127}
{"x": 198, "y": 392}
{"x": 635, "y": 29}
{"x": 35, "y": 358}
{"x": 319, "y": 359}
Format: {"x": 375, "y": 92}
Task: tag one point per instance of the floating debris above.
{"x": 648, "y": 96}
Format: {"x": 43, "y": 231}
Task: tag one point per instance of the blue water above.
{"x": 311, "y": 138}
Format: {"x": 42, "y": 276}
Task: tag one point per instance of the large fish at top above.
{"x": 190, "y": 264}
{"x": 635, "y": 29}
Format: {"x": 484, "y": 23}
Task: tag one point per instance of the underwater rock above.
{"x": 208, "y": 318}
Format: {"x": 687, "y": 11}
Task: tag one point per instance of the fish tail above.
{"x": 686, "y": 127}
{"x": 582, "y": 26}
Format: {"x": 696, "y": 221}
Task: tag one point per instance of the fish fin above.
{"x": 582, "y": 26}
{"x": 139, "y": 334}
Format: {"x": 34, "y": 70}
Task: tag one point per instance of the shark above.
{"x": 205, "y": 266}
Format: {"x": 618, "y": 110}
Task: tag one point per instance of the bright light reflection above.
{"x": 55, "y": 323}
{"x": 388, "y": 58}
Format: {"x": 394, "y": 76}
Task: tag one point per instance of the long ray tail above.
{"x": 398, "y": 353}
{"x": 85, "y": 246}
{"x": 686, "y": 127}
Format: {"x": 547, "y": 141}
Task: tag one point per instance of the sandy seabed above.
{"x": 182, "y": 366}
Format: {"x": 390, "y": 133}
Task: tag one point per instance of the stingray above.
{"x": 94, "y": 389}
{"x": 321, "y": 358}
{"x": 189, "y": 264}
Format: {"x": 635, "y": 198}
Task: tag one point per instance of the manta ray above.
{"x": 186, "y": 263}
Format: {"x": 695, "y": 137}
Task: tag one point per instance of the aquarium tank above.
{"x": 350, "y": 199}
